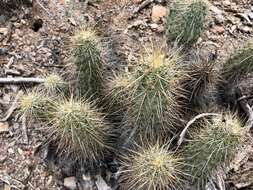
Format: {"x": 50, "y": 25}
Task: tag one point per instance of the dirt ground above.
{"x": 30, "y": 48}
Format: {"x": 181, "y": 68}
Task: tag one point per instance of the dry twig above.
{"x": 183, "y": 133}
{"x": 24, "y": 130}
{"x": 20, "y": 80}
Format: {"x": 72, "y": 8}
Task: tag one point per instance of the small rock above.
{"x": 154, "y": 26}
{"x": 219, "y": 19}
{"x": 49, "y": 181}
{"x": 246, "y": 29}
{"x": 70, "y": 183}
{"x": 158, "y": 12}
{"x": 218, "y": 29}
{"x": 4, "y": 127}
{"x": 4, "y": 31}
{"x": 10, "y": 151}
{"x": 226, "y": 3}
{"x": 250, "y": 15}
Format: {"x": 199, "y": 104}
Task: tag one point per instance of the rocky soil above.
{"x": 33, "y": 42}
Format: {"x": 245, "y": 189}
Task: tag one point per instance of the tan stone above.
{"x": 218, "y": 29}
{"x": 4, "y": 127}
{"x": 158, "y": 12}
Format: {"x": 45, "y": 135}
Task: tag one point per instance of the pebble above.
{"x": 4, "y": 31}
{"x": 10, "y": 151}
{"x": 158, "y": 12}
{"x": 4, "y": 127}
{"x": 219, "y": 19}
{"x": 250, "y": 15}
{"x": 246, "y": 29}
{"x": 226, "y": 2}
{"x": 218, "y": 29}
{"x": 70, "y": 183}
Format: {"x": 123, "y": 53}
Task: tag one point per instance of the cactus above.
{"x": 80, "y": 131}
{"x": 185, "y": 21}
{"x": 152, "y": 110}
{"x": 35, "y": 105}
{"x": 119, "y": 87}
{"x": 86, "y": 54}
{"x": 53, "y": 85}
{"x": 197, "y": 82}
{"x": 233, "y": 71}
{"x": 213, "y": 146}
{"x": 151, "y": 168}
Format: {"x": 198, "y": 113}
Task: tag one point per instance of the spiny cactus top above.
{"x": 185, "y": 21}
{"x": 54, "y": 84}
{"x": 118, "y": 88}
{"x": 35, "y": 105}
{"x": 151, "y": 168}
{"x": 86, "y": 53}
{"x": 213, "y": 146}
{"x": 79, "y": 130}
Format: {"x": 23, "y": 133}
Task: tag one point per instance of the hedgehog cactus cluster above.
{"x": 155, "y": 100}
